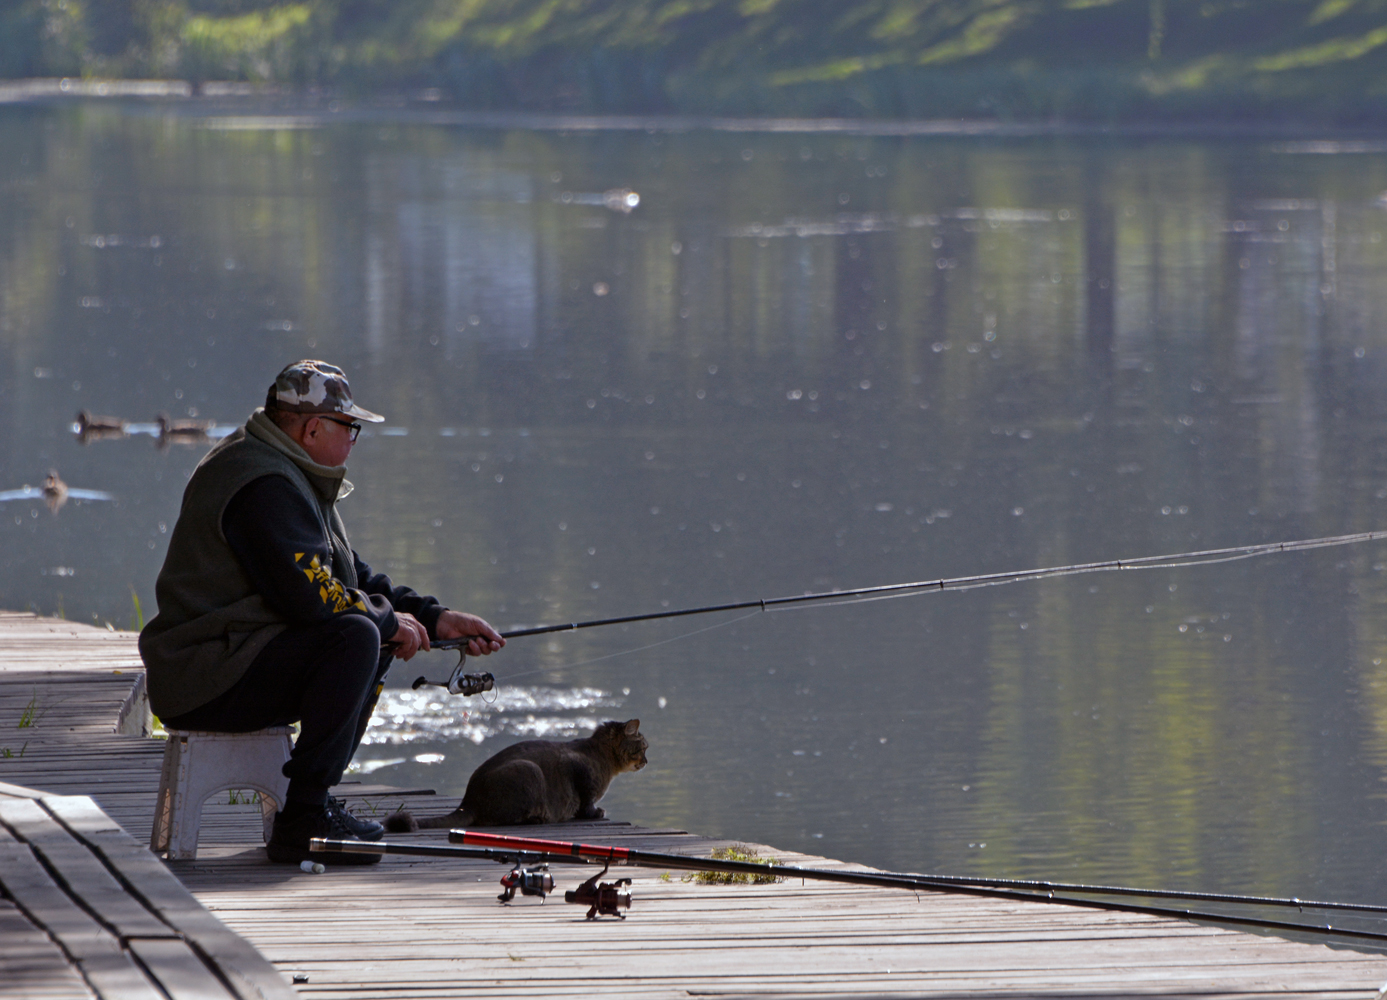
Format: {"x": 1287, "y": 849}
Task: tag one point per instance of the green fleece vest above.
{"x": 211, "y": 622}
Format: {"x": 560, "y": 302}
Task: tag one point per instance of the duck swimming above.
{"x": 94, "y": 428}
{"x": 182, "y": 431}
{"x": 54, "y": 493}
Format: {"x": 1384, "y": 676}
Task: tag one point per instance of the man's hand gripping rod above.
{"x": 458, "y": 682}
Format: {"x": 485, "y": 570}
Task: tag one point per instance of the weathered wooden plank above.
{"x": 85, "y": 877}
{"x": 248, "y": 972}
{"x": 610, "y": 952}
{"x": 127, "y": 905}
{"x": 93, "y": 951}
{"x": 31, "y": 964}
{"x": 179, "y": 970}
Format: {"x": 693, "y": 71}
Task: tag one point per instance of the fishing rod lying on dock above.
{"x": 470, "y": 684}
{"x": 522, "y": 851}
{"x": 529, "y": 872}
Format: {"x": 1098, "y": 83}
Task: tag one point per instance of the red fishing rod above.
{"x": 535, "y": 850}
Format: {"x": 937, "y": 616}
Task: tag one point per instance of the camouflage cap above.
{"x": 315, "y": 387}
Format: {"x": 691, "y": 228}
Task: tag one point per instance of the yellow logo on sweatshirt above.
{"x": 332, "y": 591}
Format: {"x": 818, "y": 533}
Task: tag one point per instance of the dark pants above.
{"x": 325, "y": 676}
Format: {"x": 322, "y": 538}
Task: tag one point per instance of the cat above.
{"x": 541, "y": 781}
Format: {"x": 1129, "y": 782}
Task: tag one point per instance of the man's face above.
{"x": 327, "y": 439}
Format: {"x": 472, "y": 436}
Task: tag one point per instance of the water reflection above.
{"x": 835, "y": 362}
{"x": 407, "y": 716}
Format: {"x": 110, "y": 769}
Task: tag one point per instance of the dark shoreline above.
{"x": 261, "y": 106}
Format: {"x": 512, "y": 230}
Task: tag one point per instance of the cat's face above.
{"x": 629, "y": 744}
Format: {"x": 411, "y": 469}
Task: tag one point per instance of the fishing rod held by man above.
{"x": 458, "y": 683}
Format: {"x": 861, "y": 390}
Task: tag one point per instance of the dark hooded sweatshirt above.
{"x": 258, "y": 546}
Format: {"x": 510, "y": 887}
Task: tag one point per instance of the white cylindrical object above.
{"x": 312, "y": 867}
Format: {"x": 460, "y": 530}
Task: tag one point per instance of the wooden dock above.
{"x": 93, "y": 912}
{"x": 415, "y": 928}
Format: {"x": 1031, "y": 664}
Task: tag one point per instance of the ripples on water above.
{"x": 801, "y": 362}
{"x": 404, "y": 716}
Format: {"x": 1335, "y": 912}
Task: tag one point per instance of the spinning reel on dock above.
{"x": 529, "y": 880}
{"x": 602, "y": 898}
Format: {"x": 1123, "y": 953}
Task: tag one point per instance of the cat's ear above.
{"x": 633, "y": 727}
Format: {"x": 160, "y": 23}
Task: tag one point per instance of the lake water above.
{"x": 802, "y": 362}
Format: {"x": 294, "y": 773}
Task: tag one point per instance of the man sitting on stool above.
{"x": 267, "y": 616}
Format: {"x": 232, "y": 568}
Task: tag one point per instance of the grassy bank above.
{"x": 1083, "y": 60}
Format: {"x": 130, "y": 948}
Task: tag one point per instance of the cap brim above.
{"x": 367, "y": 415}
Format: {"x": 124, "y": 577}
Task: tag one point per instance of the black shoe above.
{"x": 289, "y": 839}
{"x": 362, "y": 829}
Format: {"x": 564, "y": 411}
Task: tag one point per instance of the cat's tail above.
{"x": 405, "y": 822}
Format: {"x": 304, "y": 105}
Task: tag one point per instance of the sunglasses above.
{"x": 353, "y": 428}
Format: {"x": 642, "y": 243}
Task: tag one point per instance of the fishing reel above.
{"x": 458, "y": 682}
{"x": 603, "y": 899}
{"x": 529, "y": 881}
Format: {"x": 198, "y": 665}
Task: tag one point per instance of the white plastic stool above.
{"x": 197, "y": 765}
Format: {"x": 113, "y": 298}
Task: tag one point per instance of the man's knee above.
{"x": 360, "y": 630}
{"x": 360, "y": 639}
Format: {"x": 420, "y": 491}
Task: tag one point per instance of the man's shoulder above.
{"x": 240, "y": 459}
{"x": 239, "y": 449}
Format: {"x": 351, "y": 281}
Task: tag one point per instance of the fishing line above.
{"x": 862, "y": 595}
{"x": 966, "y": 583}
{"x": 1178, "y": 560}
{"x": 638, "y": 649}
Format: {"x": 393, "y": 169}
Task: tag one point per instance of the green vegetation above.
{"x": 1094, "y": 60}
{"x": 29, "y": 717}
{"x": 738, "y": 852}
{"x": 373, "y": 807}
{"x": 32, "y": 714}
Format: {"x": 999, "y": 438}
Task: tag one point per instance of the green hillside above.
{"x": 1087, "y": 60}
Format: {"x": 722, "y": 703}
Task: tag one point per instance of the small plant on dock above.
{"x": 136, "y": 619}
{"x": 372, "y": 807}
{"x": 8, "y": 754}
{"x": 239, "y": 797}
{"x": 737, "y": 852}
{"x": 32, "y": 714}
